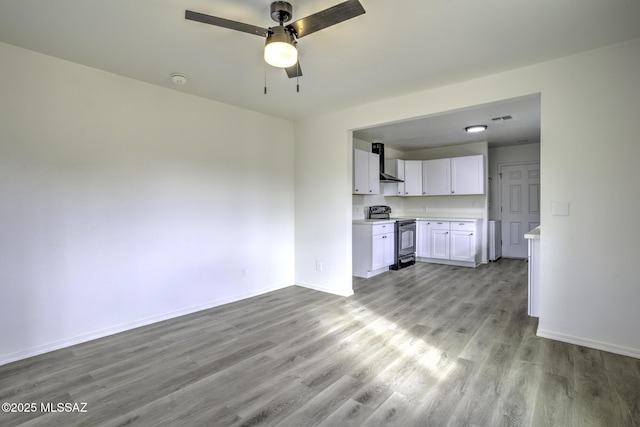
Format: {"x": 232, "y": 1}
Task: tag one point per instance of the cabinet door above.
{"x": 360, "y": 172}
{"x": 463, "y": 245}
{"x": 366, "y": 172}
{"x": 436, "y": 177}
{"x": 382, "y": 250}
{"x": 413, "y": 177}
{"x": 439, "y": 240}
{"x": 422, "y": 239}
{"x": 467, "y": 175}
{"x": 374, "y": 173}
{"x": 389, "y": 249}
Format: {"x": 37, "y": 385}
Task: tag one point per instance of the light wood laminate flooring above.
{"x": 430, "y": 345}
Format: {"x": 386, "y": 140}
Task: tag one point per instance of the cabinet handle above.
{"x": 471, "y": 234}
{"x": 370, "y": 191}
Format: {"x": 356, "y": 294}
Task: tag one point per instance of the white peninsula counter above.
{"x": 534, "y": 271}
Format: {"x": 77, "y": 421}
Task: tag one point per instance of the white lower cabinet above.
{"x": 463, "y": 241}
{"x": 439, "y": 242}
{"x": 373, "y": 248}
{"x": 422, "y": 238}
{"x": 449, "y": 242}
{"x": 382, "y": 252}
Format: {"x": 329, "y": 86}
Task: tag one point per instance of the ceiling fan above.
{"x": 280, "y": 46}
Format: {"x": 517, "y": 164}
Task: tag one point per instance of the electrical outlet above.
{"x": 243, "y": 272}
{"x": 426, "y": 208}
{"x": 319, "y": 265}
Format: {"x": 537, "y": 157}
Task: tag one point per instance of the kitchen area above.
{"x": 394, "y": 237}
{"x": 431, "y": 191}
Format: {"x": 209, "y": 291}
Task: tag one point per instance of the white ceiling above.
{"x": 509, "y": 122}
{"x": 397, "y": 47}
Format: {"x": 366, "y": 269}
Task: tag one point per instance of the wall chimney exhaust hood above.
{"x": 378, "y": 148}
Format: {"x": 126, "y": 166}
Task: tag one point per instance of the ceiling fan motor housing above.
{"x": 281, "y": 11}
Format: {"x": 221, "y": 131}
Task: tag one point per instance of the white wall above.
{"x": 123, "y": 203}
{"x": 590, "y": 146}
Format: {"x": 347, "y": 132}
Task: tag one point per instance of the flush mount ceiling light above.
{"x": 280, "y": 48}
{"x": 476, "y": 128}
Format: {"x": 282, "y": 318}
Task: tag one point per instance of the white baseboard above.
{"x": 56, "y": 345}
{"x": 448, "y": 262}
{"x": 325, "y": 290}
{"x": 598, "y": 345}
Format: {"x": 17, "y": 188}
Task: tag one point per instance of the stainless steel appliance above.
{"x": 405, "y": 235}
{"x": 378, "y": 148}
{"x": 378, "y": 212}
{"x": 405, "y": 243}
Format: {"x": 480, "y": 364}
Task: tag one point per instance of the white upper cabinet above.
{"x": 436, "y": 177}
{"x": 413, "y": 177}
{"x": 467, "y": 175}
{"x": 366, "y": 172}
{"x": 453, "y": 176}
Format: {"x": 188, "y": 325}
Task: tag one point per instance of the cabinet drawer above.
{"x": 463, "y": 226}
{"x": 382, "y": 229}
{"x": 439, "y": 225}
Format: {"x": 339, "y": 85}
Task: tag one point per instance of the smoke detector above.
{"x": 179, "y": 79}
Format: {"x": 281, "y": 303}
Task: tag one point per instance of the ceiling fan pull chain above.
{"x": 265, "y": 77}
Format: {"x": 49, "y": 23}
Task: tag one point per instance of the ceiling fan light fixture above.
{"x": 280, "y": 49}
{"x": 475, "y": 128}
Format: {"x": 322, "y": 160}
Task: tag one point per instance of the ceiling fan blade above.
{"x": 294, "y": 71}
{"x": 326, "y": 18}
{"x": 226, "y": 23}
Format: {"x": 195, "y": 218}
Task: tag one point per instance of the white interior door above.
{"x": 520, "y": 206}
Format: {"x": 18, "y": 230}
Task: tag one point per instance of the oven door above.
{"x": 406, "y": 238}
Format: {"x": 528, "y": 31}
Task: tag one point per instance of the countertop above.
{"x": 374, "y": 221}
{"x": 445, "y": 218}
{"x": 533, "y": 234}
{"x": 392, "y": 220}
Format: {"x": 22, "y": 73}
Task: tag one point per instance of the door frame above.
{"x": 499, "y": 184}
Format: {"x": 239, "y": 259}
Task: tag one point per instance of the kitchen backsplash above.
{"x": 456, "y": 206}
